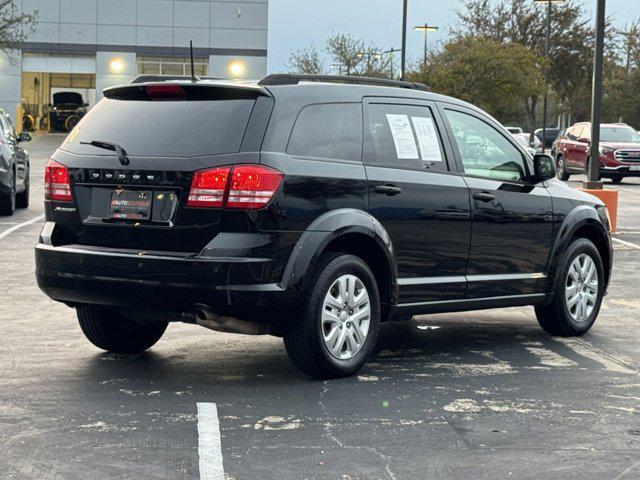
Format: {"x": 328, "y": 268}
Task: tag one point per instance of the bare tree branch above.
{"x": 15, "y": 27}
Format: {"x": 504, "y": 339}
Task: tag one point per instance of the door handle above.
{"x": 484, "y": 196}
{"x": 388, "y": 189}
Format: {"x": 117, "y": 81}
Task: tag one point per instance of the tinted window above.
{"x": 328, "y": 131}
{"x": 12, "y": 128}
{"x": 164, "y": 128}
{"x": 484, "y": 151}
{"x": 7, "y": 126}
{"x": 3, "y": 124}
{"x": 403, "y": 136}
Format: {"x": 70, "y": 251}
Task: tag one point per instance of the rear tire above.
{"x": 117, "y": 333}
{"x": 22, "y": 198}
{"x": 561, "y": 169}
{"x": 576, "y": 298}
{"x": 334, "y": 338}
{"x": 8, "y": 200}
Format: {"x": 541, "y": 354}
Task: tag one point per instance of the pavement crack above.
{"x": 326, "y": 425}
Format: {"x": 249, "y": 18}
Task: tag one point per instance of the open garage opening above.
{"x": 56, "y": 91}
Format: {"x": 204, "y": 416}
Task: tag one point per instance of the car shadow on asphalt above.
{"x": 406, "y": 346}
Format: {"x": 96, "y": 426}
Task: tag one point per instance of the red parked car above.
{"x": 619, "y": 151}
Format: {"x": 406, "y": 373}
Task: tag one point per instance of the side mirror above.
{"x": 544, "y": 167}
{"x": 24, "y": 137}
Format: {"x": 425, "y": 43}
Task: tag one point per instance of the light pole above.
{"x": 391, "y": 51}
{"x": 403, "y": 57}
{"x": 426, "y": 28}
{"x": 596, "y": 101}
{"x": 547, "y": 45}
{"x": 337, "y": 66}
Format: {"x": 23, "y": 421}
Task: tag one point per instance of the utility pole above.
{"x": 547, "y": 48}
{"x": 403, "y": 61}
{"x": 593, "y": 182}
{"x": 391, "y": 51}
{"x": 426, "y": 28}
{"x": 545, "y": 107}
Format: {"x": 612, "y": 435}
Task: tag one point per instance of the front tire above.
{"x": 617, "y": 179}
{"x": 338, "y": 328}
{"x": 578, "y": 292}
{"x": 117, "y": 333}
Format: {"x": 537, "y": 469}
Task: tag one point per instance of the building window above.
{"x": 172, "y": 66}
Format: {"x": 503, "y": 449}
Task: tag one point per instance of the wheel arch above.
{"x": 582, "y": 222}
{"x": 350, "y": 231}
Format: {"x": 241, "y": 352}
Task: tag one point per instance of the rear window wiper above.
{"x": 122, "y": 155}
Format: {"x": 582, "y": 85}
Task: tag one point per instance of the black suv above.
{"x": 312, "y": 208}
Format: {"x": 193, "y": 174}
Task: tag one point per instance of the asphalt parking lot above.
{"x": 480, "y": 395}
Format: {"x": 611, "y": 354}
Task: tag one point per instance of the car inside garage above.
{"x": 57, "y": 91}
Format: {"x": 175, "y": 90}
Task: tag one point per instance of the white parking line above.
{"x": 9, "y": 231}
{"x": 630, "y": 190}
{"x": 628, "y": 244}
{"x": 209, "y": 443}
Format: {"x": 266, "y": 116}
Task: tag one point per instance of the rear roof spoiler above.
{"x": 294, "y": 79}
{"x": 167, "y": 78}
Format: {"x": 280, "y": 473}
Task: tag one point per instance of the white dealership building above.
{"x": 87, "y": 45}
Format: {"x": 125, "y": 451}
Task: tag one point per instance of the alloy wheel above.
{"x": 346, "y": 315}
{"x": 581, "y": 287}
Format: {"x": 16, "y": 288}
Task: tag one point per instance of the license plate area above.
{"x": 634, "y": 168}
{"x": 130, "y": 204}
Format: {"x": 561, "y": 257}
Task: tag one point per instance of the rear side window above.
{"x": 165, "y": 128}
{"x": 403, "y": 136}
{"x": 331, "y": 131}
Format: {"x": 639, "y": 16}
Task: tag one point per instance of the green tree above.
{"x": 15, "y": 27}
{"x": 569, "y": 68}
{"x": 496, "y": 76}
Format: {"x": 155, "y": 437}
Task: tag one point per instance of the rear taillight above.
{"x": 252, "y": 186}
{"x": 208, "y": 187}
{"x": 246, "y": 187}
{"x": 57, "y": 185}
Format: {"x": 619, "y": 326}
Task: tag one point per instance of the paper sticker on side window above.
{"x": 402, "y": 136}
{"x": 427, "y": 139}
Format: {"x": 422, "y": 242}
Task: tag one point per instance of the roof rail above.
{"x": 295, "y": 78}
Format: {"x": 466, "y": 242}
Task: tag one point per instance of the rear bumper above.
{"x": 229, "y": 285}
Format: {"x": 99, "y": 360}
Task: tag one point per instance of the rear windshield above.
{"x": 164, "y": 128}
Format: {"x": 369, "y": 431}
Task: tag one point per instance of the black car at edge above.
{"x": 312, "y": 208}
{"x": 14, "y": 167}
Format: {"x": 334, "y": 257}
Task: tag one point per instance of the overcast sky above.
{"x": 294, "y": 24}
